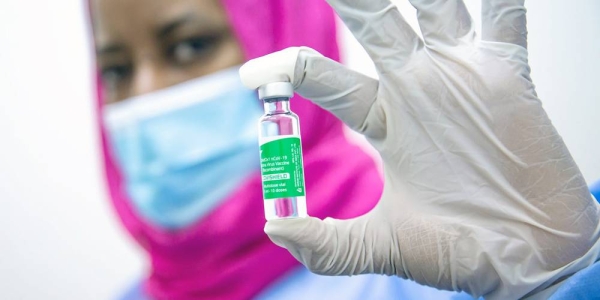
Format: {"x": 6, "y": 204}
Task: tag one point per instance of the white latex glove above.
{"x": 481, "y": 195}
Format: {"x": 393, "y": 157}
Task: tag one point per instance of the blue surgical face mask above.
{"x": 184, "y": 149}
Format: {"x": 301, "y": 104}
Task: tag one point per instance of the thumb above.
{"x": 334, "y": 247}
{"x": 349, "y": 95}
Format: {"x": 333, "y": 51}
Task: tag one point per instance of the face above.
{"x": 146, "y": 45}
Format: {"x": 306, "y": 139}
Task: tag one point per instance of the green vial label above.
{"x": 281, "y": 167}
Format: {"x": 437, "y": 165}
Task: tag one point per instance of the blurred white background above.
{"x": 59, "y": 238}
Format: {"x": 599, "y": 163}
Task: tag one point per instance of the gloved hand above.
{"x": 481, "y": 194}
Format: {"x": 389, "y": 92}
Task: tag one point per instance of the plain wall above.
{"x": 59, "y": 238}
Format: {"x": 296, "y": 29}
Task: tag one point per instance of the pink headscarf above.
{"x": 226, "y": 255}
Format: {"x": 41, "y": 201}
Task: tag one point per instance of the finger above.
{"x": 380, "y": 29}
{"x": 275, "y": 67}
{"x": 349, "y": 95}
{"x": 444, "y": 21}
{"x": 334, "y": 247}
{"x": 504, "y": 21}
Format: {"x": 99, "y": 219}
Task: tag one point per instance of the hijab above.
{"x": 226, "y": 254}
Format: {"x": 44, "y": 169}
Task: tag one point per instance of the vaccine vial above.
{"x": 282, "y": 170}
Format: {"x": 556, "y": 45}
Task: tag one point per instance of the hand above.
{"x": 481, "y": 194}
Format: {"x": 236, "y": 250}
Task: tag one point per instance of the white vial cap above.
{"x": 275, "y": 90}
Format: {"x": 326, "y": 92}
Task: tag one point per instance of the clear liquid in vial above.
{"x": 281, "y": 161}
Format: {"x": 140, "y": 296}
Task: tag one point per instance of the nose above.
{"x": 148, "y": 77}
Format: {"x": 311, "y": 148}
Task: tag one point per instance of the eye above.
{"x": 190, "y": 50}
{"x": 112, "y": 76}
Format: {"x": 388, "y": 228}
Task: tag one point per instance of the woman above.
{"x": 198, "y": 211}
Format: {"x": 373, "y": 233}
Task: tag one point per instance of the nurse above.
{"x": 181, "y": 156}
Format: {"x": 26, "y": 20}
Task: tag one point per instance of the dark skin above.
{"x": 147, "y": 45}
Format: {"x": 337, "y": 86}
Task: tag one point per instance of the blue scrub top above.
{"x": 301, "y": 284}
{"x": 595, "y": 190}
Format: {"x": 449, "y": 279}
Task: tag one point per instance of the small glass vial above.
{"x": 281, "y": 154}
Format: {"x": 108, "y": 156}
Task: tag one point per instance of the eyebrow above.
{"x": 110, "y": 49}
{"x": 169, "y": 27}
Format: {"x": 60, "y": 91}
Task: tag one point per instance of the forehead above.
{"x": 117, "y": 17}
